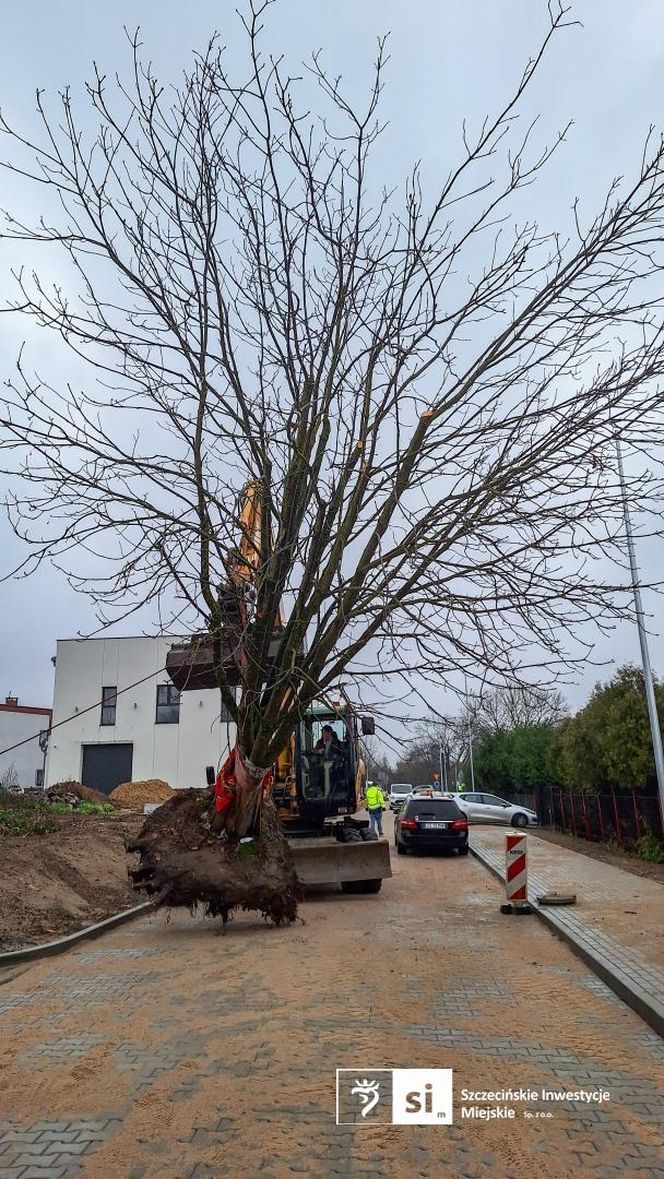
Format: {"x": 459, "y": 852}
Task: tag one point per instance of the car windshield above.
{"x": 434, "y": 808}
{"x": 400, "y": 788}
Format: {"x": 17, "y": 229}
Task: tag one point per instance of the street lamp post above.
{"x": 643, "y": 640}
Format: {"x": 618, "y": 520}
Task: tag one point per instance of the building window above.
{"x": 39, "y": 779}
{"x": 109, "y": 697}
{"x": 168, "y": 704}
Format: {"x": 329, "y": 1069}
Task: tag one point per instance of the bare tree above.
{"x": 9, "y": 778}
{"x": 423, "y": 394}
{"x": 514, "y": 707}
{"x": 379, "y": 768}
{"x": 440, "y": 747}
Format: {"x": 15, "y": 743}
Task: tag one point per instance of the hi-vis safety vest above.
{"x": 374, "y": 797}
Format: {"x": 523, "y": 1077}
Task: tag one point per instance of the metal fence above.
{"x": 623, "y": 817}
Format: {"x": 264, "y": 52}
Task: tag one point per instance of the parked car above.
{"x": 399, "y": 792}
{"x": 431, "y": 792}
{"x": 488, "y": 808}
{"x": 431, "y": 823}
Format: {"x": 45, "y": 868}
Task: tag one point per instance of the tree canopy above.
{"x": 509, "y": 761}
{"x": 607, "y": 744}
{"x": 423, "y": 387}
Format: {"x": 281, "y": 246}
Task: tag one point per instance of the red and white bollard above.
{"x": 516, "y": 874}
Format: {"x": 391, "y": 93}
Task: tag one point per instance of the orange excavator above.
{"x": 318, "y": 780}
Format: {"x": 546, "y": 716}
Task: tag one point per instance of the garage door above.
{"x": 106, "y": 766}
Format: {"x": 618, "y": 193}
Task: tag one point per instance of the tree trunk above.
{"x": 244, "y": 783}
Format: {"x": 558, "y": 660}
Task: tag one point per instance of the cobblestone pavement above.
{"x": 167, "y": 1051}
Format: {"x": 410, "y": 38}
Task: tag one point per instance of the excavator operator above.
{"x": 329, "y": 744}
{"x": 328, "y": 767}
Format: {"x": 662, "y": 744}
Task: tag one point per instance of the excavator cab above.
{"x": 325, "y": 767}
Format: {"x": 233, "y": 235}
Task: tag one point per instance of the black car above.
{"x": 431, "y": 822}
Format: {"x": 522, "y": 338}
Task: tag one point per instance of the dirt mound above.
{"x": 133, "y": 794}
{"x": 183, "y": 863}
{"x": 53, "y": 884}
{"x": 85, "y": 793}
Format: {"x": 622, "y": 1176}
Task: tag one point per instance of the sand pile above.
{"x": 135, "y": 794}
{"x": 85, "y": 793}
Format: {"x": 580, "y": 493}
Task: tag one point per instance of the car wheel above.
{"x": 463, "y": 851}
{"x": 519, "y": 820}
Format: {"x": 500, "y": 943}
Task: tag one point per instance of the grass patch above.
{"x": 25, "y": 816}
{"x": 83, "y": 808}
{"x": 649, "y": 848}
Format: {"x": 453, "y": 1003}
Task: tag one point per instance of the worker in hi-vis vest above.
{"x": 375, "y": 802}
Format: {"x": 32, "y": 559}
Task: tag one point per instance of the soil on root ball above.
{"x": 182, "y": 863}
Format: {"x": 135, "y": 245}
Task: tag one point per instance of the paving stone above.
{"x": 48, "y": 1172}
{"x": 33, "y": 1149}
{"x": 57, "y": 1135}
{"x": 27, "y": 1160}
{"x": 625, "y": 962}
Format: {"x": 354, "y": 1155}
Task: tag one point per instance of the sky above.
{"x": 449, "y": 62}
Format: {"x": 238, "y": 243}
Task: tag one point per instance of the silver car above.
{"x": 489, "y": 808}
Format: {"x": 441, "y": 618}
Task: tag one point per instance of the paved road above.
{"x": 167, "y": 1051}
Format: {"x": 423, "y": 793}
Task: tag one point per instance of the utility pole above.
{"x": 470, "y": 742}
{"x": 443, "y": 763}
{"x": 643, "y": 639}
{"x": 470, "y": 748}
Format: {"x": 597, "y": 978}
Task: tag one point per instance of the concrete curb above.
{"x": 61, "y": 945}
{"x": 642, "y": 1002}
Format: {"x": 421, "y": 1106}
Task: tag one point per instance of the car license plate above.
{"x": 434, "y": 826}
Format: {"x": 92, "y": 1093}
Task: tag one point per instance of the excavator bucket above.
{"x": 324, "y": 861}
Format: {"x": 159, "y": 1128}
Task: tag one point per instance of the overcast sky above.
{"x": 449, "y": 61}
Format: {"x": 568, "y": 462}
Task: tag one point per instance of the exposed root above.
{"x": 183, "y": 863}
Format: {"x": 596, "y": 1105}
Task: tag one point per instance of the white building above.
{"x": 18, "y": 723}
{"x": 129, "y": 722}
